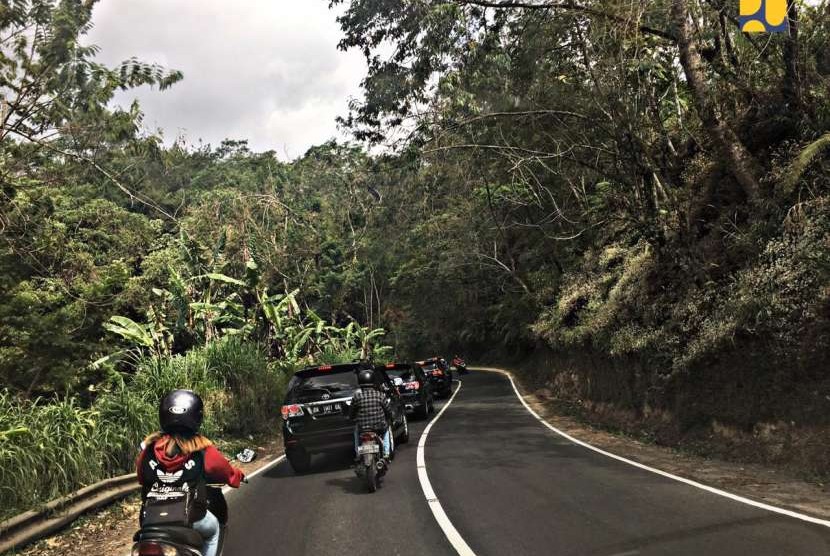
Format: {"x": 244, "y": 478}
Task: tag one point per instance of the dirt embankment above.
{"x": 724, "y": 458}
{"x": 733, "y": 410}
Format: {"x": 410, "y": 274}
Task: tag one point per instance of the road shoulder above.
{"x": 757, "y": 482}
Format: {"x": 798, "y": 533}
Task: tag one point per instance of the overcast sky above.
{"x": 263, "y": 70}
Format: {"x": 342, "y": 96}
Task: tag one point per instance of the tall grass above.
{"x": 52, "y": 447}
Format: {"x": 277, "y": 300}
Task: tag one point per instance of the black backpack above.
{"x": 176, "y": 498}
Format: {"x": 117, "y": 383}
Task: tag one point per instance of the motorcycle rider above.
{"x": 175, "y": 464}
{"x": 372, "y": 411}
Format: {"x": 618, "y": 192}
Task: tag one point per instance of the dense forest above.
{"x": 630, "y": 202}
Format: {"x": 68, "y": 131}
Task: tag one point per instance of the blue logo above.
{"x": 763, "y": 16}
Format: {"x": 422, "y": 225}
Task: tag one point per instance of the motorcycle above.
{"x": 370, "y": 464}
{"x": 460, "y": 366}
{"x": 169, "y": 540}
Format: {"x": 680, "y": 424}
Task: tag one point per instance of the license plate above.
{"x": 325, "y": 409}
{"x": 368, "y": 449}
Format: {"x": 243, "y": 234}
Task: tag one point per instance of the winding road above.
{"x": 503, "y": 483}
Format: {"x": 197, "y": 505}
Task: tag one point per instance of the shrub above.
{"x": 51, "y": 447}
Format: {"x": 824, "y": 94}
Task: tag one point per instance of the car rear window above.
{"x": 328, "y": 380}
{"x": 310, "y": 385}
{"x": 405, "y": 374}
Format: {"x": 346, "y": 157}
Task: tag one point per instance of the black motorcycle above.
{"x": 370, "y": 465}
{"x": 460, "y": 366}
{"x": 170, "y": 540}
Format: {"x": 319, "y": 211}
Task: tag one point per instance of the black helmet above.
{"x": 366, "y": 377}
{"x": 181, "y": 412}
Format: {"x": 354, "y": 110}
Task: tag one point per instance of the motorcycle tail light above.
{"x": 367, "y": 437}
{"x": 154, "y": 549}
{"x": 413, "y": 385}
{"x": 438, "y": 372}
{"x": 289, "y": 411}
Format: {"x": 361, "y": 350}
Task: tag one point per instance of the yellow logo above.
{"x": 763, "y": 16}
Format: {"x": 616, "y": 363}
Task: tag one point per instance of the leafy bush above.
{"x": 45, "y": 448}
{"x": 51, "y": 447}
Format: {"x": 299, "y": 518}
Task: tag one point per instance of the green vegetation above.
{"x": 51, "y": 447}
{"x": 643, "y": 201}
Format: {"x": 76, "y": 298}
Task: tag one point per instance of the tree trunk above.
{"x": 734, "y": 154}
{"x": 792, "y": 67}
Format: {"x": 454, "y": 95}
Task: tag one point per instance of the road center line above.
{"x": 713, "y": 490}
{"x": 452, "y": 534}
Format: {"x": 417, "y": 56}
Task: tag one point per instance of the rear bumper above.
{"x": 319, "y": 441}
{"x": 441, "y": 384}
{"x": 412, "y": 401}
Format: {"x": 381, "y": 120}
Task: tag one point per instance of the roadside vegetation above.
{"x": 633, "y": 199}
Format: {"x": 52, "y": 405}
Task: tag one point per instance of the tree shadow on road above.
{"x": 320, "y": 464}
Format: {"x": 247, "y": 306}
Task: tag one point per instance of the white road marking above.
{"x": 444, "y": 522}
{"x": 227, "y": 489}
{"x": 713, "y": 490}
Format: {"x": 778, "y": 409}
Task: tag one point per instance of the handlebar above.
{"x": 222, "y": 485}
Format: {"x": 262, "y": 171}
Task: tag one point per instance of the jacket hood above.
{"x": 170, "y": 463}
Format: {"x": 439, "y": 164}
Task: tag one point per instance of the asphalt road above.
{"x": 509, "y": 486}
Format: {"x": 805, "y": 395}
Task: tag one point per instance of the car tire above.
{"x": 403, "y": 438}
{"x": 299, "y": 460}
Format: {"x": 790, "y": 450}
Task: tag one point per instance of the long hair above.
{"x": 183, "y": 444}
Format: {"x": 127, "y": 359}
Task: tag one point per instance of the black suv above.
{"x": 316, "y": 411}
{"x": 439, "y": 373}
{"x": 414, "y": 387}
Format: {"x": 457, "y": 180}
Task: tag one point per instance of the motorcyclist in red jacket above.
{"x": 167, "y": 455}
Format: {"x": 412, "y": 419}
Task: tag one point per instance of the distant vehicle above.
{"x": 414, "y": 386}
{"x": 460, "y": 365}
{"x": 438, "y": 371}
{"x": 316, "y": 411}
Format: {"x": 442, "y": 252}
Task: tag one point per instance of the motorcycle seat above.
{"x": 176, "y": 535}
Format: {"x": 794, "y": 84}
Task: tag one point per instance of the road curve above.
{"x": 509, "y": 486}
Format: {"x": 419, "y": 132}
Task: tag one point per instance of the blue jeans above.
{"x": 387, "y": 441}
{"x": 209, "y": 528}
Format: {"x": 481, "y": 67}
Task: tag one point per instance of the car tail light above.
{"x": 154, "y": 549}
{"x": 390, "y": 365}
{"x": 324, "y": 368}
{"x": 414, "y": 385}
{"x": 293, "y": 410}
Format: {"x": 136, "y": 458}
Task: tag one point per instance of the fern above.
{"x": 802, "y": 161}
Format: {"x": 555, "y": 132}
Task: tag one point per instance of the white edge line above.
{"x": 267, "y": 466}
{"x": 713, "y": 490}
{"x": 452, "y": 534}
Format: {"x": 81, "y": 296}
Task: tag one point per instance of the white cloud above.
{"x": 264, "y": 70}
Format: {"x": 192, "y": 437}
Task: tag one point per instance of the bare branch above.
{"x": 568, "y": 6}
